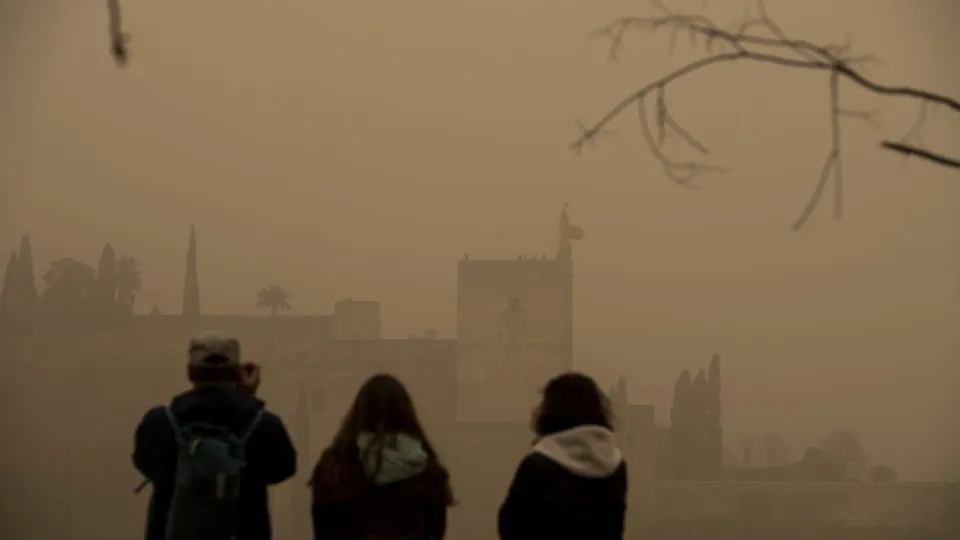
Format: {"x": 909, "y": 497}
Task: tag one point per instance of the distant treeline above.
{"x": 70, "y": 288}
{"x": 692, "y": 446}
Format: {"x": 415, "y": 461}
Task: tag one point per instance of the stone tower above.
{"x": 514, "y": 328}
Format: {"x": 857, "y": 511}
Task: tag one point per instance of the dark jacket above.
{"x": 402, "y": 501}
{"x": 271, "y": 458}
{"x": 572, "y": 486}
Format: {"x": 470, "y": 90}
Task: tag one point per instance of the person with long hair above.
{"x": 380, "y": 478}
{"x": 573, "y": 484}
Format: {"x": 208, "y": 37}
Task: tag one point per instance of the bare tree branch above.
{"x": 831, "y": 166}
{"x": 118, "y": 38}
{"x": 908, "y": 150}
{"x": 735, "y": 44}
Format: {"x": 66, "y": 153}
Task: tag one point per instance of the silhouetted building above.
{"x": 355, "y": 319}
{"x": 514, "y": 329}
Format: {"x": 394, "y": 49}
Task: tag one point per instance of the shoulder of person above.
{"x": 269, "y": 422}
{"x": 268, "y": 417}
{"x": 157, "y": 413}
{"x": 621, "y": 473}
{"x": 536, "y": 465}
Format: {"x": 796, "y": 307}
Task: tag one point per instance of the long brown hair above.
{"x": 382, "y": 407}
{"x": 571, "y": 400}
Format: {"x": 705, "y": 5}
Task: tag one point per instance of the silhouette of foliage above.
{"x": 714, "y": 410}
{"x": 695, "y": 424}
{"x": 817, "y": 464}
{"x": 8, "y": 294}
{"x": 106, "y": 291}
{"x": 882, "y": 474}
{"x": 118, "y": 281}
{"x": 736, "y": 44}
{"x": 128, "y": 283}
{"x": 274, "y": 298}
{"x": 814, "y": 467}
{"x": 684, "y": 423}
{"x": 843, "y": 449}
{"x": 776, "y": 451}
{"x": 26, "y": 296}
{"x": 70, "y": 287}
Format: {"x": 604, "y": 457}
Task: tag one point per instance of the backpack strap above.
{"x": 174, "y": 424}
{"x": 253, "y": 425}
{"x": 246, "y": 433}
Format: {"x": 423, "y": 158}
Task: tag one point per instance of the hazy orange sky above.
{"x": 359, "y": 148}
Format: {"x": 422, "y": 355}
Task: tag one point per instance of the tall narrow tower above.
{"x": 191, "y": 284}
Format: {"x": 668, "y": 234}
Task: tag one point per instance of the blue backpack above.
{"x": 209, "y": 461}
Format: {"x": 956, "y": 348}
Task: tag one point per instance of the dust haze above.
{"x": 383, "y": 186}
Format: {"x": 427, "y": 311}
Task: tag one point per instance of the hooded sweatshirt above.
{"x": 402, "y": 504}
{"x": 398, "y": 458}
{"x": 572, "y": 485}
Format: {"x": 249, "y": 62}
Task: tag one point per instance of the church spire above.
{"x": 191, "y": 284}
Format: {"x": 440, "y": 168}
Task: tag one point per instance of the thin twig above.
{"x": 832, "y": 166}
{"x": 779, "y": 50}
{"x": 932, "y": 157}
{"x": 118, "y": 38}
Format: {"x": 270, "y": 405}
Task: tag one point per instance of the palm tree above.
{"x": 275, "y": 298}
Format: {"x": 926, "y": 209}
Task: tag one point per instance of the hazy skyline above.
{"x": 358, "y": 149}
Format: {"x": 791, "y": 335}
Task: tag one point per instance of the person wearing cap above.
{"x": 223, "y": 394}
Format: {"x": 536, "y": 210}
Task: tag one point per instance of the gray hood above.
{"x": 589, "y": 451}
{"x": 396, "y": 458}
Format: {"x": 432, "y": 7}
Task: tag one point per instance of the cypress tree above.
{"x": 26, "y": 296}
{"x": 682, "y": 397}
{"x": 714, "y": 407}
{"x": 682, "y": 419}
{"x": 106, "y": 291}
{"x": 701, "y": 391}
{"x": 8, "y": 294}
{"x": 191, "y": 284}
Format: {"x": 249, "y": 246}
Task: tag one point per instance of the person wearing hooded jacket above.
{"x": 224, "y": 394}
{"x": 573, "y": 483}
{"x": 380, "y": 478}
